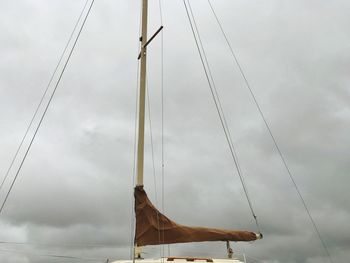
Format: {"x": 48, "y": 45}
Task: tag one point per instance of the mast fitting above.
{"x": 149, "y": 41}
{"x": 229, "y": 249}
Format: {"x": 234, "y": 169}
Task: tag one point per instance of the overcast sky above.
{"x": 73, "y": 196}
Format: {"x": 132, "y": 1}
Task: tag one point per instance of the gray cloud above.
{"x": 74, "y": 194}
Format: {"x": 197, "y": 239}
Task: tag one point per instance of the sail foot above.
{"x": 154, "y": 228}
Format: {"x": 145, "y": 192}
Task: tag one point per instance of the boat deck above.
{"x": 180, "y": 260}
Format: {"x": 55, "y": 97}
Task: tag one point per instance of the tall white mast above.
{"x": 141, "y": 127}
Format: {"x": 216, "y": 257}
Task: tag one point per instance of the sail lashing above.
{"x": 154, "y": 228}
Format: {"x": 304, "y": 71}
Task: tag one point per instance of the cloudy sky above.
{"x": 73, "y": 196}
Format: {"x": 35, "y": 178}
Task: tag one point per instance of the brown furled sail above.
{"x": 154, "y": 228}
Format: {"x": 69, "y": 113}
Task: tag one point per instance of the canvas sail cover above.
{"x": 154, "y": 228}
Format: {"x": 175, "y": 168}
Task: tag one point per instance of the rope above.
{"x": 42, "y": 97}
{"x": 271, "y": 135}
{"x": 46, "y": 108}
{"x": 217, "y": 103}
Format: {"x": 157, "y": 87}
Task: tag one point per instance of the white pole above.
{"x": 141, "y": 129}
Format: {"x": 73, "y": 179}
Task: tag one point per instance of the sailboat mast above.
{"x": 141, "y": 126}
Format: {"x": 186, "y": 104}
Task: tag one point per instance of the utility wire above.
{"x": 271, "y": 134}
{"x": 46, "y": 108}
{"x": 220, "y": 113}
{"x": 42, "y": 98}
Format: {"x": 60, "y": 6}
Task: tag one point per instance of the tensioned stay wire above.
{"x": 217, "y": 97}
{"x": 162, "y": 121}
{"x": 55, "y": 245}
{"x": 220, "y": 113}
{"x": 162, "y": 99}
{"x": 52, "y": 255}
{"x": 291, "y": 176}
{"x": 46, "y": 108}
{"x": 42, "y": 97}
{"x": 132, "y": 224}
{"x": 152, "y": 144}
{"x": 153, "y": 163}
{"x": 160, "y": 234}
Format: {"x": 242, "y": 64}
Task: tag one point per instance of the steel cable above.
{"x": 271, "y": 134}
{"x": 46, "y": 108}
{"x": 42, "y": 97}
{"x": 220, "y": 113}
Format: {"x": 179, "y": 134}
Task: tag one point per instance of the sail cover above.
{"x": 154, "y": 228}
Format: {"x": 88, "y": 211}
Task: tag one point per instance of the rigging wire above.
{"x": 132, "y": 224}
{"x": 46, "y": 108}
{"x": 222, "y": 111}
{"x": 291, "y": 176}
{"x": 162, "y": 98}
{"x": 51, "y": 255}
{"x": 217, "y": 103}
{"x": 153, "y": 163}
{"x": 254, "y": 258}
{"x": 42, "y": 97}
{"x": 152, "y": 144}
{"x": 55, "y": 245}
{"x": 162, "y": 121}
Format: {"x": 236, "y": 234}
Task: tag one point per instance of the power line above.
{"x": 43, "y": 96}
{"x": 46, "y": 108}
{"x": 217, "y": 103}
{"x": 271, "y": 135}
